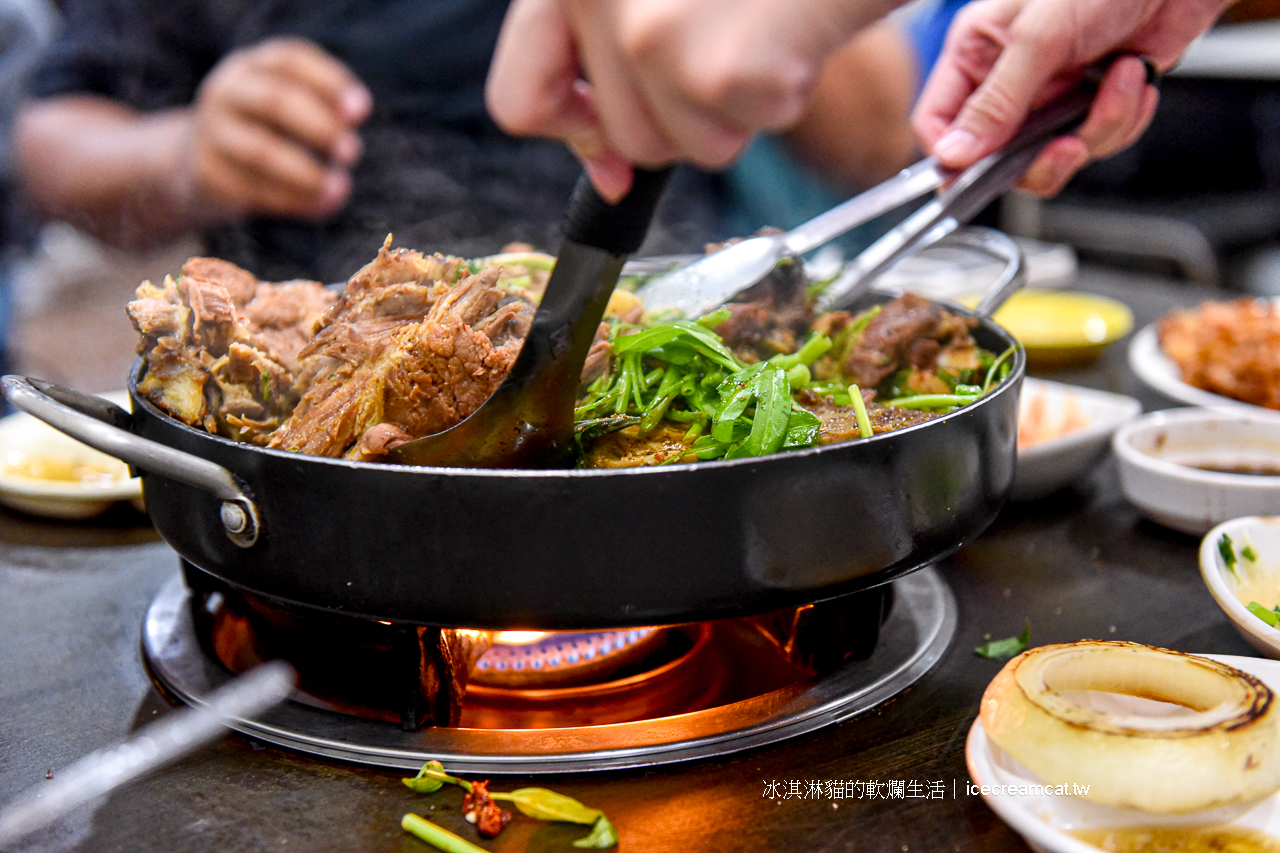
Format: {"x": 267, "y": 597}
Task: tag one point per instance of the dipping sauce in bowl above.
{"x": 1062, "y": 328}
{"x": 1190, "y": 469}
{"x": 1261, "y": 470}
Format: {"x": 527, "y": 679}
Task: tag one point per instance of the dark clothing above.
{"x": 436, "y": 171}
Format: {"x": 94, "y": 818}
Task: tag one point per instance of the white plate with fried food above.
{"x": 46, "y": 473}
{"x": 1230, "y": 347}
{"x": 1051, "y": 821}
{"x": 1063, "y": 431}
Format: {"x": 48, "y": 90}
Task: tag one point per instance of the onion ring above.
{"x": 1225, "y": 750}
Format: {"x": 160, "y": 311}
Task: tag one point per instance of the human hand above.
{"x": 1004, "y": 57}
{"x": 669, "y": 79}
{"x": 273, "y": 130}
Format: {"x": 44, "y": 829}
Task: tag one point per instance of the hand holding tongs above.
{"x": 715, "y": 279}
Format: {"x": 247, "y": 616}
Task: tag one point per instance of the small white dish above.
{"x": 1161, "y": 374}
{"x": 1254, "y": 575}
{"x": 1045, "y": 820}
{"x": 46, "y": 473}
{"x": 1063, "y": 430}
{"x": 1163, "y": 457}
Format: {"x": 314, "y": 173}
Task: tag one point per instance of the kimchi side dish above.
{"x": 1228, "y": 348}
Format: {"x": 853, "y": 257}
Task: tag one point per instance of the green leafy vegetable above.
{"x": 1271, "y": 617}
{"x": 1249, "y": 554}
{"x": 681, "y": 372}
{"x": 1228, "y": 552}
{"x": 714, "y": 318}
{"x": 1006, "y": 648}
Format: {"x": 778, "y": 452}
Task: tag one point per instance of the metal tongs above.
{"x": 154, "y": 745}
{"x": 715, "y": 279}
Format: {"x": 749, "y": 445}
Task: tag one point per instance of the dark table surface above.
{"x": 1080, "y": 564}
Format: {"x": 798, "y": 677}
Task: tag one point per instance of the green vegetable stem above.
{"x": 1271, "y": 617}
{"x": 437, "y": 836}
{"x": 1228, "y": 552}
{"x": 682, "y": 372}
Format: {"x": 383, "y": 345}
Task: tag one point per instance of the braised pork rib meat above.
{"x": 413, "y": 345}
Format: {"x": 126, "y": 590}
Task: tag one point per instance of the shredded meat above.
{"x": 280, "y": 317}
{"x": 420, "y": 376}
{"x": 599, "y": 356}
{"x": 241, "y": 285}
{"x": 909, "y": 332}
{"x": 770, "y": 316}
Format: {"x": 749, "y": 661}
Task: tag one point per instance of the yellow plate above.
{"x": 1061, "y": 328}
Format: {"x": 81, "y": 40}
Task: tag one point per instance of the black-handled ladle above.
{"x": 528, "y": 420}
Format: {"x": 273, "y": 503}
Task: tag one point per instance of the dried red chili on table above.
{"x": 480, "y": 809}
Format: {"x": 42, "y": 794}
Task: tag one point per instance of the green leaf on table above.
{"x": 548, "y": 805}
{"x": 603, "y": 836}
{"x": 431, "y": 777}
{"x": 1006, "y": 648}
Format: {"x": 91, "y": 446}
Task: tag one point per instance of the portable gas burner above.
{"x": 553, "y": 702}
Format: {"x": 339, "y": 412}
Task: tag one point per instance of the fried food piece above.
{"x": 1228, "y": 348}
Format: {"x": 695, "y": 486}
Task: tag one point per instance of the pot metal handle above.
{"x": 1000, "y": 246}
{"x": 105, "y": 426}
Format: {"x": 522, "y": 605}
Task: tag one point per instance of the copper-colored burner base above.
{"x": 354, "y": 666}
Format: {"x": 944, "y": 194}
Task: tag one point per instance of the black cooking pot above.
{"x": 560, "y": 549}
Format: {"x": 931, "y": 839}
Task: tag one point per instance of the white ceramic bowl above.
{"x": 1081, "y": 421}
{"x": 1254, "y": 575}
{"x": 28, "y": 446}
{"x": 1162, "y": 458}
